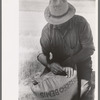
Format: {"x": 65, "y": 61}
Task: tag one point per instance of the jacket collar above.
{"x": 66, "y": 25}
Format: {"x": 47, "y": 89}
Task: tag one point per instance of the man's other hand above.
{"x": 69, "y": 71}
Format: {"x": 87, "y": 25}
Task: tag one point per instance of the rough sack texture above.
{"x": 55, "y": 87}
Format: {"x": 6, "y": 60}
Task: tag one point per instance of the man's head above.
{"x": 59, "y": 11}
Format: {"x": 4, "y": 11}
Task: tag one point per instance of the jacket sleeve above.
{"x": 85, "y": 35}
{"x": 45, "y": 41}
{"x": 86, "y": 41}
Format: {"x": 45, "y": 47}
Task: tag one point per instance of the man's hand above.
{"x": 69, "y": 71}
{"x": 55, "y": 68}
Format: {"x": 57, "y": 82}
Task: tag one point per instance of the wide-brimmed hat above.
{"x": 59, "y": 11}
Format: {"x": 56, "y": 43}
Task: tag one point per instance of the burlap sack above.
{"x": 55, "y": 87}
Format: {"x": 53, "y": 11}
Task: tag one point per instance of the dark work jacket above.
{"x": 68, "y": 40}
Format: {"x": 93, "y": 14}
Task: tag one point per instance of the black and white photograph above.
{"x": 58, "y": 49}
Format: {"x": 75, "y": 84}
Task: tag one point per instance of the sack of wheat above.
{"x": 55, "y": 87}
